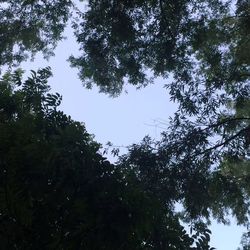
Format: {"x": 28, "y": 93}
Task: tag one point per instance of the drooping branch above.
{"x": 220, "y": 123}
{"x": 224, "y": 143}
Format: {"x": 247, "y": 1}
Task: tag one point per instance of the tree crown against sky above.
{"x": 201, "y": 41}
{"x": 58, "y": 192}
{"x": 204, "y": 45}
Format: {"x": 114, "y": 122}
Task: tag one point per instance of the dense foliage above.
{"x": 30, "y": 26}
{"x": 203, "y": 158}
{"x": 197, "y": 41}
{"x": 58, "y": 192}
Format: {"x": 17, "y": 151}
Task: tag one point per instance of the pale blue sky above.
{"x": 123, "y": 120}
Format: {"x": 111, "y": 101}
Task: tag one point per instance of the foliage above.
{"x": 58, "y": 192}
{"x": 203, "y": 155}
{"x": 202, "y": 43}
{"x": 245, "y": 241}
{"x": 202, "y": 160}
{"x": 30, "y": 26}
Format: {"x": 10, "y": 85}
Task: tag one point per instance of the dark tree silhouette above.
{"x": 58, "y": 192}
{"x": 202, "y": 160}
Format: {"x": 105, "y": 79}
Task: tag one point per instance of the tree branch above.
{"x": 225, "y": 121}
{"x": 224, "y": 143}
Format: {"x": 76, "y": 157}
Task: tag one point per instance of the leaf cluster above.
{"x": 58, "y": 192}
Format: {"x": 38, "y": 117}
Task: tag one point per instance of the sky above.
{"x": 123, "y": 120}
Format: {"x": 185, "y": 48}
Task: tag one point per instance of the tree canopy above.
{"x": 202, "y": 160}
{"x": 58, "y": 192}
{"x": 30, "y": 26}
{"x": 205, "y": 42}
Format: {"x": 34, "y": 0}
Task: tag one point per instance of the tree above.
{"x": 30, "y": 26}
{"x": 204, "y": 45}
{"x": 58, "y": 192}
{"x": 195, "y": 41}
{"x": 245, "y": 242}
{"x": 201, "y": 43}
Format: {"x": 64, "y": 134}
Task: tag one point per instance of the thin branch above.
{"x": 224, "y": 143}
{"x": 225, "y": 121}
